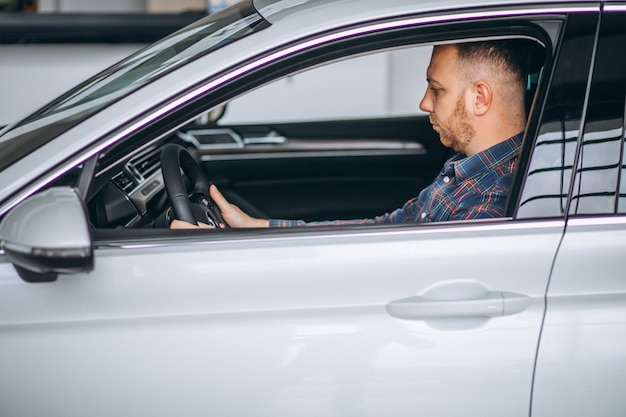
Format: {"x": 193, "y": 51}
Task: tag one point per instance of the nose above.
{"x": 426, "y": 105}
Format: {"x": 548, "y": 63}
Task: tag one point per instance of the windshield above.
{"x": 137, "y": 70}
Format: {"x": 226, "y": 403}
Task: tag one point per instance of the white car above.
{"x": 105, "y": 311}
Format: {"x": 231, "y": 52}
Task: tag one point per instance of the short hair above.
{"x": 506, "y": 63}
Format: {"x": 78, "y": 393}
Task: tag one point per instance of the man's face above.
{"x": 445, "y": 100}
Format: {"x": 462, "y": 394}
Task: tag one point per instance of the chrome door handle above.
{"x": 491, "y": 304}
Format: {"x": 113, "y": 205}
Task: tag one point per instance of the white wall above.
{"x": 371, "y": 86}
{"x": 32, "y": 75}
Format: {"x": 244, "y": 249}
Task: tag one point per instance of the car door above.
{"x": 581, "y": 368}
{"x": 439, "y": 319}
{"x": 443, "y": 319}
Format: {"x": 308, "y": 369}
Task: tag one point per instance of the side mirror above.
{"x": 48, "y": 234}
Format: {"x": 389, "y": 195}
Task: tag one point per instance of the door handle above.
{"x": 491, "y": 304}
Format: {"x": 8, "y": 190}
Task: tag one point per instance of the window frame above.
{"x": 368, "y": 42}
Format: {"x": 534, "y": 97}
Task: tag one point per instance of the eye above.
{"x": 435, "y": 90}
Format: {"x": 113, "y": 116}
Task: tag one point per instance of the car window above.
{"x": 384, "y": 84}
{"x": 548, "y": 179}
{"x": 276, "y": 159}
{"x": 599, "y": 187}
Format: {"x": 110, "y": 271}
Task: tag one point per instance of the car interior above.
{"x": 325, "y": 149}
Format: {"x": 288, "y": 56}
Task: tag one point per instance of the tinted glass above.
{"x": 550, "y": 169}
{"x": 130, "y": 74}
{"x": 597, "y": 186}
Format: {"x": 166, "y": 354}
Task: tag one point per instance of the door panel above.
{"x": 581, "y": 369}
{"x": 283, "y": 323}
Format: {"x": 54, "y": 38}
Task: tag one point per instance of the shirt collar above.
{"x": 468, "y": 166}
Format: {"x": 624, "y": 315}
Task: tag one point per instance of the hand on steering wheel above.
{"x": 197, "y": 205}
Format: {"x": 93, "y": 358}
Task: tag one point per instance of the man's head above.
{"x": 475, "y": 93}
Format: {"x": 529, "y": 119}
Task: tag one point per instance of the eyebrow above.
{"x": 433, "y": 82}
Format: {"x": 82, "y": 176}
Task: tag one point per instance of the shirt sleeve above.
{"x": 285, "y": 223}
{"x": 300, "y": 223}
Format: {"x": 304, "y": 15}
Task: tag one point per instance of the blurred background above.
{"x": 149, "y": 6}
{"x": 48, "y": 46}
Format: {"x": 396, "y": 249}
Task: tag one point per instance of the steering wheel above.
{"x": 192, "y": 206}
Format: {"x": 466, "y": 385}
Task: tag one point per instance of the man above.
{"x": 475, "y": 98}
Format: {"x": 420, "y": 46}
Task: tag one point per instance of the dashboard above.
{"x": 133, "y": 196}
{"x": 128, "y": 190}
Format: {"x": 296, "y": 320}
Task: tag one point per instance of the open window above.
{"x": 330, "y": 132}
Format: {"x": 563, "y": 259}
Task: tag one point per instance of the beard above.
{"x": 458, "y": 131}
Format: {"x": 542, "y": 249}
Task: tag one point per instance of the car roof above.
{"x": 316, "y": 16}
{"x": 326, "y": 11}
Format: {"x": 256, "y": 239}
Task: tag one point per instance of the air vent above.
{"x": 125, "y": 182}
{"x": 146, "y": 165}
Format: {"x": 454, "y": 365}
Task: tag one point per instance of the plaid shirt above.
{"x": 474, "y": 187}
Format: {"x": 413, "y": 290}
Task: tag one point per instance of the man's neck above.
{"x": 486, "y": 138}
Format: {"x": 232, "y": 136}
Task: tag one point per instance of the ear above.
{"x": 483, "y": 96}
